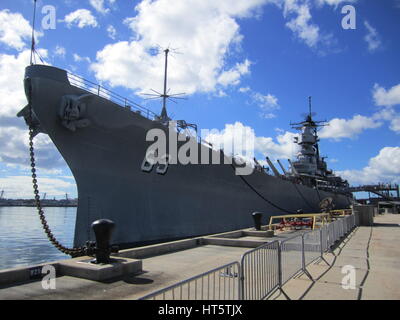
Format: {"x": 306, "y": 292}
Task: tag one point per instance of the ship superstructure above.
{"x": 310, "y": 168}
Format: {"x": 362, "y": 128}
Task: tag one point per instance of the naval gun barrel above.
{"x": 293, "y": 168}
{"x": 282, "y": 167}
{"x": 276, "y": 172}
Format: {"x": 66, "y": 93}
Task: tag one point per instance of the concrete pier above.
{"x": 374, "y": 253}
{"x": 372, "y": 250}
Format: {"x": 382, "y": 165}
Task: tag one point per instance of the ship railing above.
{"x": 263, "y": 270}
{"x": 103, "y": 92}
{"x": 221, "y": 283}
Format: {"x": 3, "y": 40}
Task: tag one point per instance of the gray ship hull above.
{"x": 106, "y": 157}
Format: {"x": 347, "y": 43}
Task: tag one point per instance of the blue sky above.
{"x": 243, "y": 64}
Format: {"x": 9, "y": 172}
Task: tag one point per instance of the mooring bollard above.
{"x": 257, "y": 220}
{"x": 103, "y": 229}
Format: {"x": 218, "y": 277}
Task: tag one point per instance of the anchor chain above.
{"x": 73, "y": 252}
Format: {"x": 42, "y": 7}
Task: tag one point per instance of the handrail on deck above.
{"x": 103, "y": 92}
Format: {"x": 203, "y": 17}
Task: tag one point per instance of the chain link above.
{"x": 74, "y": 252}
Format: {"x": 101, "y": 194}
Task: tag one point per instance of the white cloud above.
{"x": 388, "y": 99}
{"x": 12, "y": 95}
{"x": 383, "y": 97}
{"x": 99, "y": 6}
{"x": 385, "y": 167}
{"x": 334, "y": 3}
{"x": 81, "y": 18}
{"x": 15, "y": 30}
{"x": 111, "y": 31}
{"x": 372, "y": 38}
{"x": 15, "y": 150}
{"x": 301, "y": 25}
{"x": 299, "y": 21}
{"x": 13, "y": 131}
{"x": 282, "y": 148}
{"x": 232, "y": 76}
{"x": 204, "y": 32}
{"x": 395, "y": 124}
{"x": 21, "y": 186}
{"x": 60, "y": 51}
{"x": 342, "y": 128}
{"x": 389, "y": 114}
{"x": 78, "y": 58}
{"x": 232, "y": 139}
{"x": 267, "y": 103}
{"x": 244, "y": 89}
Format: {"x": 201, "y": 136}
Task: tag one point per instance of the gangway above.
{"x": 382, "y": 190}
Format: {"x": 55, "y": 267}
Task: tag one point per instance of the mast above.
{"x": 33, "y": 32}
{"x": 309, "y": 161}
{"x": 164, "y": 95}
{"x": 164, "y": 115}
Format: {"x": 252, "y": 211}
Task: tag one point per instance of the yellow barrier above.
{"x": 325, "y": 218}
{"x": 342, "y": 212}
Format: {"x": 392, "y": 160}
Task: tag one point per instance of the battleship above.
{"x": 102, "y": 137}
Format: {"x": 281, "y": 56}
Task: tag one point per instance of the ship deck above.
{"x": 373, "y": 252}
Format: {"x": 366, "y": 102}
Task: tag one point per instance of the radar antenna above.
{"x": 309, "y": 122}
{"x": 165, "y": 95}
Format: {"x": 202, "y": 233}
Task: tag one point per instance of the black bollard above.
{"x": 103, "y": 229}
{"x": 257, "y": 220}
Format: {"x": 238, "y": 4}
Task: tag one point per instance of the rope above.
{"x": 301, "y": 195}
{"x": 260, "y": 195}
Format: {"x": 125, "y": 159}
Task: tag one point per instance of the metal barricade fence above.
{"x": 331, "y": 234}
{"x": 345, "y": 225}
{"x": 221, "y": 283}
{"x": 334, "y": 232}
{"x": 324, "y": 239}
{"x": 341, "y": 231}
{"x": 357, "y": 218}
{"x": 311, "y": 246}
{"x": 348, "y": 224}
{"x": 337, "y": 225}
{"x": 291, "y": 251}
{"x": 260, "y": 271}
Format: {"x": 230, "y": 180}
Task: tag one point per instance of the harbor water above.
{"x": 23, "y": 241}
